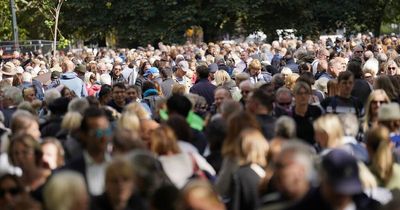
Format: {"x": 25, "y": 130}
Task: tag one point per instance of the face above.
{"x": 180, "y": 73}
{"x": 290, "y": 176}
{"x": 345, "y": 87}
{"x": 369, "y": 78}
{"x": 33, "y": 130}
{"x": 50, "y": 155}
{"x": 23, "y": 156}
{"x": 119, "y": 187}
{"x": 324, "y": 55}
{"x": 9, "y": 193}
{"x": 284, "y": 100}
{"x": 131, "y": 94}
{"x": 358, "y": 53}
{"x": 392, "y": 69}
{"x": 302, "y": 97}
{"x": 377, "y": 102}
{"x": 99, "y": 134}
{"x": 119, "y": 95}
{"x": 245, "y": 91}
{"x": 147, "y": 127}
{"x": 321, "y": 138}
{"x": 29, "y": 94}
{"x": 219, "y": 97}
{"x": 117, "y": 70}
{"x": 254, "y": 72}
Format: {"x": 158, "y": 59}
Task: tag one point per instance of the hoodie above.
{"x": 71, "y": 80}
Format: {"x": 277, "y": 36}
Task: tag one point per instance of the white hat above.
{"x": 184, "y": 65}
{"x": 388, "y": 112}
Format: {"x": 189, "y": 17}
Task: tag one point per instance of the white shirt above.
{"x": 95, "y": 174}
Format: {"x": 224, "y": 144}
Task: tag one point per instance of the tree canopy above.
{"x": 132, "y": 23}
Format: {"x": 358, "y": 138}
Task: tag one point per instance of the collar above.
{"x": 89, "y": 160}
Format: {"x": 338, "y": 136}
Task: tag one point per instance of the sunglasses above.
{"x": 285, "y": 104}
{"x": 100, "y": 133}
{"x": 391, "y": 68}
{"x": 13, "y": 191}
{"x": 380, "y": 102}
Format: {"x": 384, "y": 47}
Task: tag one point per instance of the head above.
{"x": 328, "y": 131}
{"x": 24, "y": 122}
{"x": 294, "y": 169}
{"x": 375, "y": 99}
{"x": 66, "y": 190}
{"x": 182, "y": 68}
{"x": 11, "y": 191}
{"x": 335, "y": 66}
{"x": 119, "y": 181}
{"x": 179, "y": 104}
{"x": 302, "y": 93}
{"x": 119, "y": 93}
{"x": 202, "y": 72}
{"x": 285, "y": 127}
{"x": 117, "y": 70}
{"x": 255, "y": 67}
{"x": 67, "y": 66}
{"x": 383, "y": 82}
{"x": 345, "y": 84}
{"x": 246, "y": 87}
{"x": 53, "y": 153}
{"x": 283, "y": 98}
{"x": 220, "y": 95}
{"x": 221, "y": 77}
{"x": 253, "y": 147}
{"x": 12, "y": 96}
{"x": 260, "y": 102}
{"x": 133, "y": 93}
{"x": 164, "y": 142}
{"x": 358, "y": 51}
{"x": 340, "y": 180}
{"x": 105, "y": 94}
{"x": 95, "y": 131}
{"x": 391, "y": 68}
{"x": 201, "y": 195}
{"x": 25, "y": 152}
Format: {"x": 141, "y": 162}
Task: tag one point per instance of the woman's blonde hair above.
{"x": 137, "y": 109}
{"x": 179, "y": 89}
{"x": 255, "y": 64}
{"x": 163, "y": 141}
{"x": 379, "y": 145}
{"x": 254, "y": 148}
{"x": 202, "y": 190}
{"x": 330, "y": 124}
{"x": 371, "y": 97}
{"x": 130, "y": 121}
{"x": 221, "y": 77}
{"x": 290, "y": 80}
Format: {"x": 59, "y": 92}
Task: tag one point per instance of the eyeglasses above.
{"x": 285, "y": 104}
{"x": 391, "y": 68}
{"x": 358, "y": 51}
{"x": 13, "y": 191}
{"x": 380, "y": 102}
{"x": 100, "y": 133}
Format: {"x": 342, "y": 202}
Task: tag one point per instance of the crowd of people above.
{"x": 218, "y": 126}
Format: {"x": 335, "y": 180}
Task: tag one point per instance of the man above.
{"x": 70, "y": 79}
{"x": 167, "y": 81}
{"x": 80, "y": 70}
{"x": 203, "y": 86}
{"x": 153, "y": 75}
{"x": 213, "y": 68}
{"x": 343, "y": 102}
{"x": 293, "y": 175}
{"x": 94, "y": 135}
{"x": 119, "y": 100}
{"x": 246, "y": 87}
{"x": 12, "y": 97}
{"x": 241, "y": 66}
{"x": 8, "y": 71}
{"x": 180, "y": 74}
{"x": 283, "y": 102}
{"x": 322, "y": 55}
{"x": 358, "y": 52}
{"x": 340, "y": 187}
{"x": 221, "y": 94}
{"x": 116, "y": 74}
{"x": 335, "y": 66}
{"x": 262, "y": 106}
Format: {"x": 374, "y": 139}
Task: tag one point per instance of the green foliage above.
{"x": 139, "y": 22}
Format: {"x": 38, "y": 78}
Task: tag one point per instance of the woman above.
{"x": 374, "y": 101}
{"x": 119, "y": 189}
{"x": 53, "y": 153}
{"x": 252, "y": 160}
{"x": 329, "y": 132}
{"x": 90, "y": 82}
{"x": 231, "y": 149}
{"x": 303, "y": 113}
{"x": 383, "y": 82}
{"x": 391, "y": 68}
{"x": 178, "y": 166}
{"x": 383, "y": 166}
{"x": 26, "y": 153}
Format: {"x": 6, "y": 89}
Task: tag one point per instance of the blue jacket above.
{"x": 71, "y": 80}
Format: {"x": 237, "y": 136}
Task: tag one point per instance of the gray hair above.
{"x": 283, "y": 90}
{"x": 285, "y": 127}
{"x": 15, "y": 94}
{"x": 50, "y": 95}
{"x": 350, "y": 124}
{"x": 303, "y": 154}
{"x": 63, "y": 190}
{"x": 78, "y": 105}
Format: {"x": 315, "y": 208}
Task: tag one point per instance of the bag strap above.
{"x": 195, "y": 166}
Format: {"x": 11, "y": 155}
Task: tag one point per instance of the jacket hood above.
{"x": 69, "y": 75}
